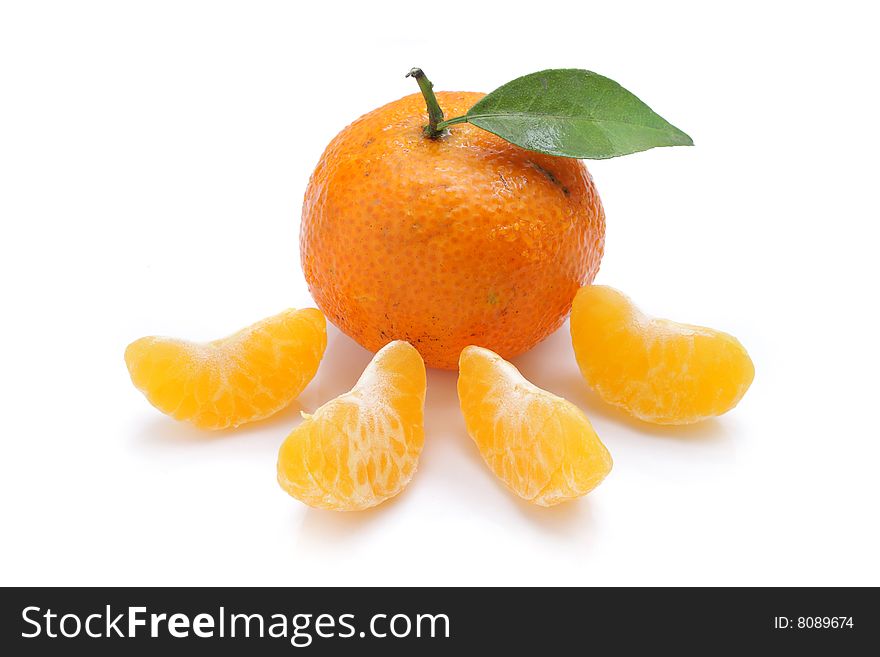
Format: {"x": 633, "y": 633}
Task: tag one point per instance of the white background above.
{"x": 153, "y": 158}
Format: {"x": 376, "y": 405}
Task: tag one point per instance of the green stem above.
{"x": 435, "y": 114}
{"x": 448, "y": 122}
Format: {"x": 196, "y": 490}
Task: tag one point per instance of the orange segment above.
{"x": 541, "y": 446}
{"x": 655, "y": 369}
{"x": 245, "y": 377}
{"x": 363, "y": 447}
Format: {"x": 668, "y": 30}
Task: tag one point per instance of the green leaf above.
{"x": 573, "y": 113}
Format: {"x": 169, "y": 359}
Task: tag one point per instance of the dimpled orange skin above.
{"x": 446, "y": 242}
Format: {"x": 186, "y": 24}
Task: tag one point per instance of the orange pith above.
{"x": 247, "y": 376}
{"x": 363, "y": 447}
{"x": 446, "y": 242}
{"x": 657, "y": 370}
{"x": 541, "y": 446}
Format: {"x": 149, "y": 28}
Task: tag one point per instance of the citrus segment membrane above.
{"x": 363, "y": 447}
{"x": 225, "y": 383}
{"x": 657, "y": 370}
{"x": 542, "y": 447}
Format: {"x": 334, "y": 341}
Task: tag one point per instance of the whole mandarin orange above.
{"x": 446, "y": 242}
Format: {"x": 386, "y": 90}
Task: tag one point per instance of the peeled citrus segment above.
{"x": 541, "y": 446}
{"x": 363, "y": 447}
{"x": 656, "y": 370}
{"x": 245, "y": 377}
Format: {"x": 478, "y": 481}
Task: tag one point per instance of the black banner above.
{"x": 333, "y": 621}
